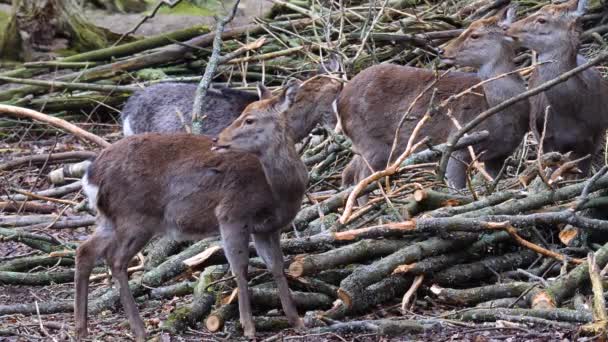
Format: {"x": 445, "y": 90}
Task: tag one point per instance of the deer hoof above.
{"x": 81, "y": 333}
{"x": 299, "y": 324}
{"x": 249, "y": 333}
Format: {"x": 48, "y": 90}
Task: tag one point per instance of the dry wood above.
{"x": 24, "y": 113}
{"x": 32, "y": 207}
{"x": 600, "y": 317}
{"x": 48, "y": 159}
{"x": 360, "y": 251}
{"x": 473, "y": 296}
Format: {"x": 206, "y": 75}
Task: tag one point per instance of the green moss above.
{"x": 177, "y": 320}
{"x": 150, "y": 74}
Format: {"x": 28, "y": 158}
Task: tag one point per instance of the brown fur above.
{"x": 313, "y": 104}
{"x": 578, "y": 115}
{"x": 370, "y": 117}
{"x": 250, "y": 183}
{"x": 372, "y": 104}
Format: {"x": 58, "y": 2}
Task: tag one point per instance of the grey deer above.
{"x": 167, "y": 108}
{"x": 578, "y": 108}
{"x": 373, "y": 102}
{"x": 249, "y": 182}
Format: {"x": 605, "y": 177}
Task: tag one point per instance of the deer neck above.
{"x": 556, "y": 62}
{"x": 562, "y": 97}
{"x": 507, "y": 83}
{"x": 285, "y": 172}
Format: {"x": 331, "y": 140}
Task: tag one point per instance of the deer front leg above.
{"x": 235, "y": 237}
{"x": 268, "y": 246}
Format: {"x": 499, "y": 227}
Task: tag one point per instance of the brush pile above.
{"x": 528, "y": 249}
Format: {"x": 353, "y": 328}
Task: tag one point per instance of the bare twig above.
{"x": 201, "y": 90}
{"x": 53, "y": 121}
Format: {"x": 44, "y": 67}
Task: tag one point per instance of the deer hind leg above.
{"x": 235, "y": 237}
{"x": 123, "y": 250}
{"x": 268, "y": 247}
{"x": 86, "y": 256}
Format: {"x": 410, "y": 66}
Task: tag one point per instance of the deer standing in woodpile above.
{"x": 248, "y": 182}
{"x": 372, "y": 104}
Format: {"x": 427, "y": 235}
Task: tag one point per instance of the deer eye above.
{"x": 474, "y": 36}
{"x": 541, "y": 20}
{"x": 249, "y": 121}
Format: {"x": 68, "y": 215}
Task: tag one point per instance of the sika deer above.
{"x": 578, "y": 115}
{"x": 167, "y": 108}
{"x": 373, "y": 102}
{"x": 486, "y": 47}
{"x": 250, "y": 182}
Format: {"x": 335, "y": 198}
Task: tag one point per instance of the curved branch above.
{"x": 25, "y": 113}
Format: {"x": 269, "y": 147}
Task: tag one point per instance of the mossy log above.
{"x": 359, "y": 251}
{"x": 384, "y": 327}
{"x": 36, "y": 279}
{"x": 475, "y": 295}
{"x": 29, "y": 263}
{"x": 491, "y": 315}
{"x": 564, "y": 287}
{"x": 466, "y": 273}
{"x": 431, "y": 265}
{"x": 352, "y": 286}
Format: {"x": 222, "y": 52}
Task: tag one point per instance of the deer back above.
{"x": 167, "y": 108}
{"x": 372, "y": 104}
{"x": 178, "y": 177}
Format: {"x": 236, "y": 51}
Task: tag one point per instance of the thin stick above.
{"x": 410, "y": 293}
{"x": 538, "y": 249}
{"x": 22, "y": 113}
{"x": 203, "y": 86}
{"x": 146, "y": 17}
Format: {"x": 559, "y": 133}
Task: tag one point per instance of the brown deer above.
{"x": 578, "y": 107}
{"x": 373, "y": 102}
{"x": 249, "y": 182}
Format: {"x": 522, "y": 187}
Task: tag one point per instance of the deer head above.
{"x": 484, "y": 41}
{"x": 257, "y": 127}
{"x": 551, "y": 27}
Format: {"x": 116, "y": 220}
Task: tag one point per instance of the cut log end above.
{"x": 345, "y": 297}
{"x": 296, "y": 269}
{"x": 214, "y": 323}
{"x": 544, "y": 301}
{"x": 404, "y": 268}
{"x": 436, "y": 289}
{"x": 420, "y": 195}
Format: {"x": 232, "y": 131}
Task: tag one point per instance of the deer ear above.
{"x": 263, "y": 92}
{"x": 507, "y": 16}
{"x": 288, "y": 95}
{"x": 332, "y": 65}
{"x": 580, "y": 8}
